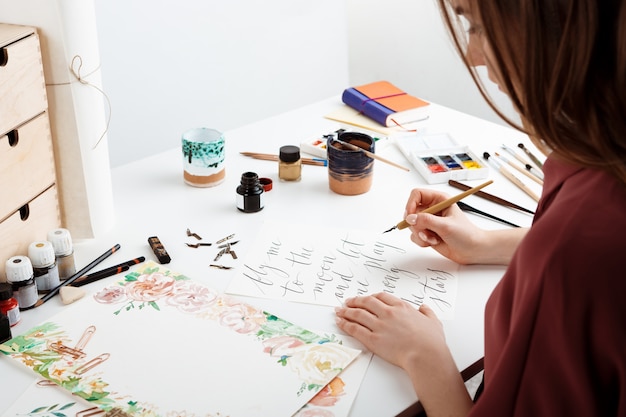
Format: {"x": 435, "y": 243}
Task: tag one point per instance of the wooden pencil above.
{"x": 77, "y": 275}
{"x": 270, "y": 157}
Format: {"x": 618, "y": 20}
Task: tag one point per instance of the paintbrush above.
{"x": 529, "y": 167}
{"x": 520, "y": 169}
{"x": 370, "y": 154}
{"x": 270, "y": 157}
{"x": 509, "y": 175}
{"x": 442, "y": 205}
{"x": 532, "y": 157}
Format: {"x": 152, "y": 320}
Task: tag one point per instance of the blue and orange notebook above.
{"x": 386, "y": 104}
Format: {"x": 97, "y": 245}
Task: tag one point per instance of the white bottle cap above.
{"x": 61, "y": 241}
{"x": 18, "y": 268}
{"x": 41, "y": 254}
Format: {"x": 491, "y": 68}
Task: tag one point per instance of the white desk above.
{"x": 151, "y": 199}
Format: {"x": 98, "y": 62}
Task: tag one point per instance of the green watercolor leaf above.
{"x": 52, "y": 407}
{"x": 66, "y": 406}
{"x": 38, "y": 410}
{"x": 154, "y": 305}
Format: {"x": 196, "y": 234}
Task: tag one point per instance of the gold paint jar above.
{"x": 289, "y": 163}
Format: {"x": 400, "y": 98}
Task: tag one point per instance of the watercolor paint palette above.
{"x": 439, "y": 158}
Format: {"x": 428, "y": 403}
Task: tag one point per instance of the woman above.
{"x": 555, "y": 325}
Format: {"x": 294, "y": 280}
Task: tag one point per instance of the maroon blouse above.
{"x": 555, "y": 326}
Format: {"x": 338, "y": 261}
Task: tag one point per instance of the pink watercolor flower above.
{"x": 281, "y": 345}
{"x": 329, "y": 395}
{"x": 190, "y": 297}
{"x": 150, "y": 287}
{"x": 111, "y": 295}
{"x": 242, "y": 318}
{"x": 315, "y": 412}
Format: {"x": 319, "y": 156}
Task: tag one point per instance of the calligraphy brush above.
{"x": 442, "y": 205}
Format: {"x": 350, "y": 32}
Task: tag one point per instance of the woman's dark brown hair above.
{"x": 563, "y": 64}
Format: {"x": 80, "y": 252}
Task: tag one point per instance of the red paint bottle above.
{"x": 8, "y": 304}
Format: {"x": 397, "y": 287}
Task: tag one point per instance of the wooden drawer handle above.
{"x": 14, "y": 138}
{"x": 24, "y": 212}
{"x": 4, "y": 57}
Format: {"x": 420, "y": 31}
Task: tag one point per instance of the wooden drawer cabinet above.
{"x": 29, "y": 204}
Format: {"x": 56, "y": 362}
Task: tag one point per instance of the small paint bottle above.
{"x": 250, "y": 193}
{"x": 64, "y": 251}
{"x": 44, "y": 263}
{"x": 8, "y": 304}
{"x": 21, "y": 276}
{"x": 5, "y": 329}
{"x": 289, "y": 163}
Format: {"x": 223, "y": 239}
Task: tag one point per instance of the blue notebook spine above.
{"x": 363, "y": 104}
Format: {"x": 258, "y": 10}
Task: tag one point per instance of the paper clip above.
{"x": 92, "y": 363}
{"x": 82, "y": 342}
{"x": 59, "y": 347}
{"x": 90, "y": 412}
{"x": 220, "y": 266}
{"x": 225, "y": 239}
{"x": 219, "y": 255}
{"x": 190, "y": 233}
{"x": 226, "y": 245}
{"x": 116, "y": 412}
{"x": 197, "y": 245}
{"x": 46, "y": 383}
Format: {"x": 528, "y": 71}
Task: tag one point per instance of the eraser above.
{"x": 70, "y": 294}
{"x": 159, "y": 250}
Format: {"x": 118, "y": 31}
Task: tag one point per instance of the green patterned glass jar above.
{"x": 203, "y": 157}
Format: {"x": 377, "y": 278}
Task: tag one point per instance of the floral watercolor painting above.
{"x": 163, "y": 344}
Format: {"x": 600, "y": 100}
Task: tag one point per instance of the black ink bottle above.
{"x": 250, "y": 193}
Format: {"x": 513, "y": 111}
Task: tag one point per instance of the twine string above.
{"x": 75, "y": 68}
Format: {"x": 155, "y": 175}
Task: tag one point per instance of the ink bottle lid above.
{"x": 8, "y": 304}
{"x": 19, "y": 269}
{"x": 44, "y": 263}
{"x": 250, "y": 193}
{"x": 20, "y": 275}
{"x": 289, "y": 163}
{"x": 61, "y": 240}
{"x": 41, "y": 254}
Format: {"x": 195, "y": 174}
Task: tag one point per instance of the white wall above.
{"x": 405, "y": 42}
{"x": 171, "y": 65}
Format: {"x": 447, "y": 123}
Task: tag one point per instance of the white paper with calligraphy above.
{"x": 160, "y": 344}
{"x": 324, "y": 266}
